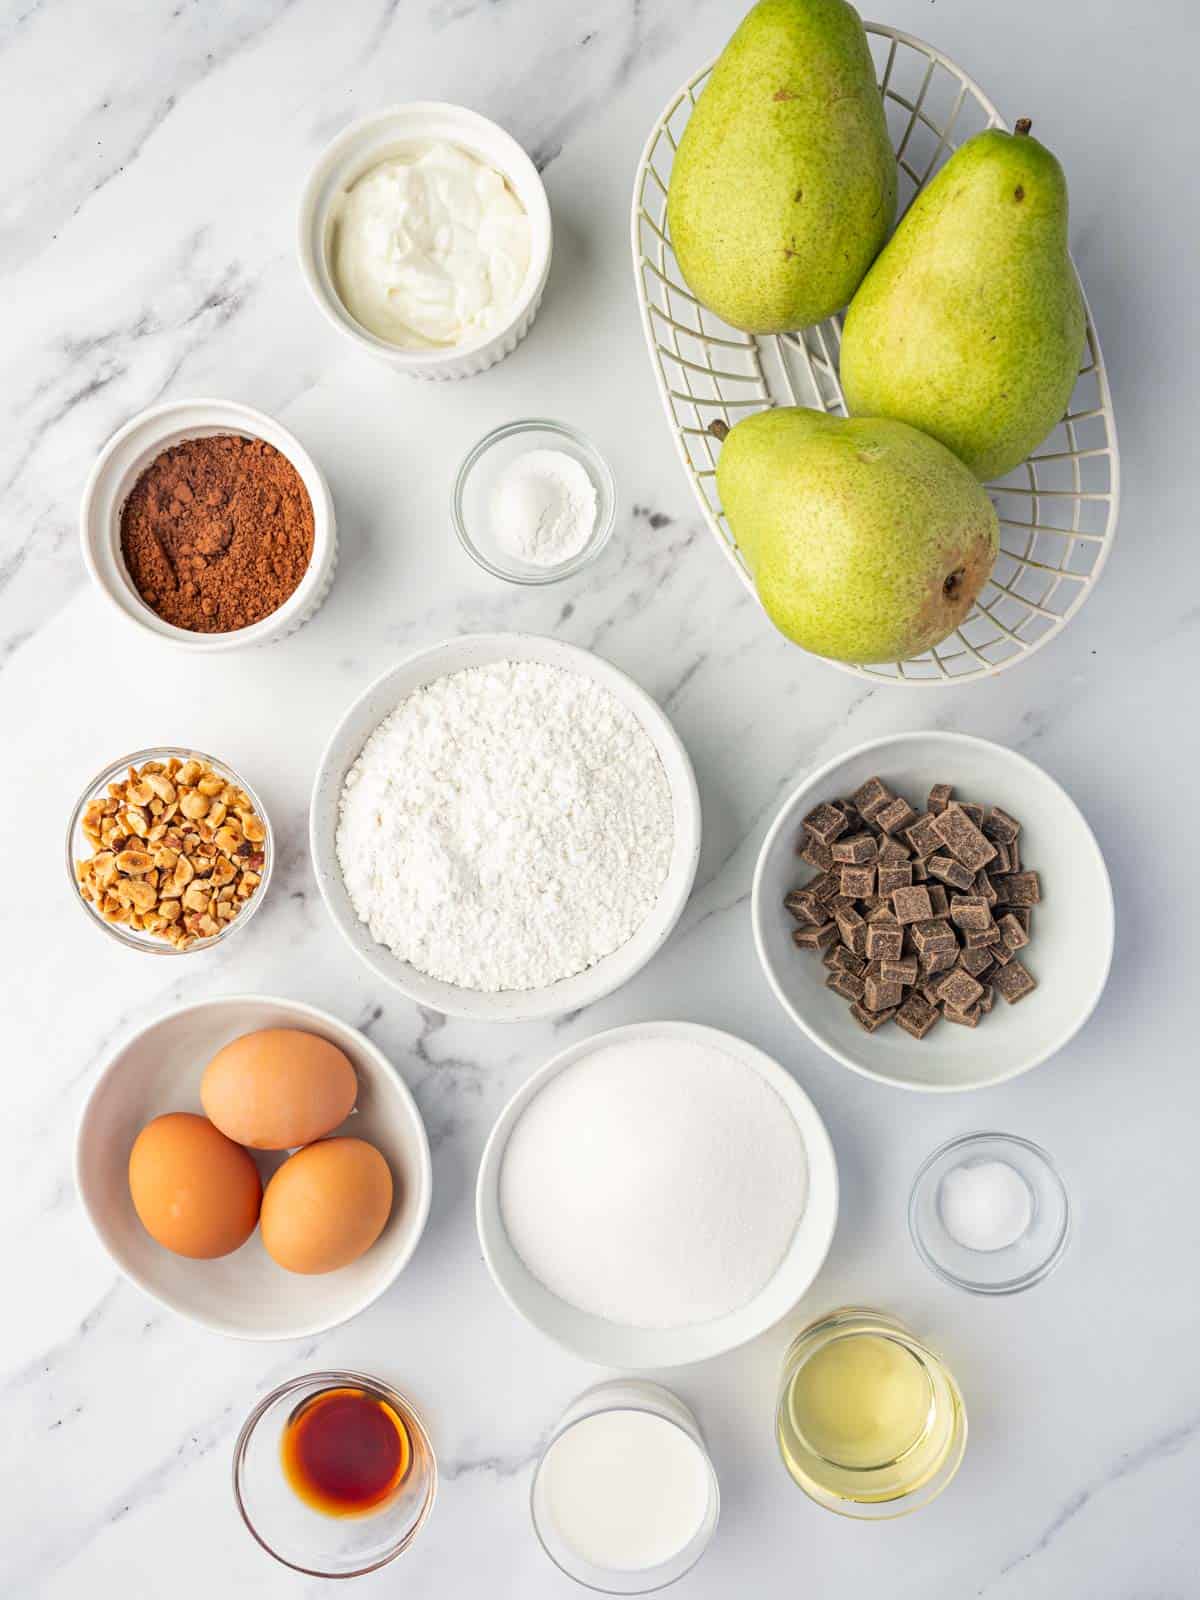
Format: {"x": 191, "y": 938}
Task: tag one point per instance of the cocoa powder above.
{"x": 217, "y": 533}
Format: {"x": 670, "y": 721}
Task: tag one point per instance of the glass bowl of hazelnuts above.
{"x": 169, "y": 851}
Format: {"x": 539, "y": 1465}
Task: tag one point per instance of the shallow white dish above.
{"x": 371, "y": 140}
{"x": 121, "y": 463}
{"x": 612, "y": 1344}
{"x": 1071, "y": 948}
{"x": 245, "y": 1294}
{"x": 344, "y": 748}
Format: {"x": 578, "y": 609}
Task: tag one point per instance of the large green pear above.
{"x": 784, "y": 185}
{"x": 868, "y": 540}
{"x": 970, "y": 325}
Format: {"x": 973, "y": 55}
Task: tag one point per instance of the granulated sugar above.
{"x": 656, "y": 1183}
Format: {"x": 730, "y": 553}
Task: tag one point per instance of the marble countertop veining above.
{"x": 153, "y": 154}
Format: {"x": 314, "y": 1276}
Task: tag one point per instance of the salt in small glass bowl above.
{"x": 479, "y": 473}
{"x": 79, "y": 848}
{"x": 1014, "y": 1267}
{"x": 295, "y": 1533}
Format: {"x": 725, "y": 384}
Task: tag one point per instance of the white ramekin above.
{"x": 121, "y": 463}
{"x": 363, "y": 145}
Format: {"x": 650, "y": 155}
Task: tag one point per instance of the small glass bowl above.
{"x": 1017, "y": 1266}
{"x": 478, "y": 474}
{"x": 295, "y": 1533}
{"x": 624, "y": 1394}
{"x": 79, "y": 847}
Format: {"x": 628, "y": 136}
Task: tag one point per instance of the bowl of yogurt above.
{"x": 425, "y": 237}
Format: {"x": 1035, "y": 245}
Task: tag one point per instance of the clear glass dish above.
{"x": 79, "y": 848}
{"x": 1017, "y": 1266}
{"x": 294, "y": 1532}
{"x": 478, "y": 474}
{"x": 624, "y": 1395}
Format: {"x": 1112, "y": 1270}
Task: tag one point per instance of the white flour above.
{"x": 507, "y": 826}
{"x": 656, "y": 1183}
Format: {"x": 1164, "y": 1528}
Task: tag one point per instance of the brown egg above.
{"x": 278, "y": 1088}
{"x": 326, "y": 1205}
{"x": 195, "y": 1191}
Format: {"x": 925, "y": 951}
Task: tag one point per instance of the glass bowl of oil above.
{"x": 334, "y": 1474}
{"x": 870, "y": 1422}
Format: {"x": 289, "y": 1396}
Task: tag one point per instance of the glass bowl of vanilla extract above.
{"x": 334, "y": 1474}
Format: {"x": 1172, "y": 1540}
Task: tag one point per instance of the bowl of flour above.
{"x": 505, "y": 827}
{"x": 655, "y": 1195}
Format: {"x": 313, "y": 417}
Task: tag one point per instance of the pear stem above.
{"x": 1023, "y": 125}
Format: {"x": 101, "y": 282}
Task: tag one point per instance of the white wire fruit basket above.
{"x": 1058, "y": 510}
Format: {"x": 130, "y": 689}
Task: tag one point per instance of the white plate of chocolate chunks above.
{"x": 934, "y": 911}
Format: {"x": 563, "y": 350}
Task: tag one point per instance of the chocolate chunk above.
{"x": 870, "y": 1020}
{"x": 839, "y": 959}
{"x": 1014, "y": 855}
{"x": 958, "y": 832}
{"x": 922, "y": 836}
{"x": 976, "y": 962}
{"x": 919, "y": 871}
{"x": 965, "y": 1019}
{"x": 870, "y": 796}
{"x": 881, "y": 995}
{"x": 951, "y": 872}
{"x": 847, "y": 984}
{"x": 973, "y": 811}
{"x": 917, "y": 1016}
{"x": 815, "y": 938}
{"x": 987, "y": 999}
{"x": 879, "y": 910}
{"x": 804, "y": 906}
{"x": 897, "y": 877}
{"x": 1019, "y": 889}
{"x": 902, "y": 971}
{"x": 981, "y": 938}
{"x": 826, "y": 823}
{"x": 1000, "y": 953}
{"x": 855, "y": 848}
{"x": 852, "y": 929}
{"x": 912, "y": 904}
{"x": 970, "y": 912}
{"x": 1014, "y": 982}
{"x": 893, "y": 852}
{"x": 999, "y": 826}
{"x": 895, "y": 816}
{"x": 933, "y": 932}
{"x": 939, "y": 900}
{"x": 1024, "y": 915}
{"x": 938, "y": 958}
{"x": 826, "y": 886}
{"x": 885, "y": 940}
{"x": 983, "y": 886}
{"x": 1012, "y": 933}
{"x": 858, "y": 881}
{"x": 815, "y": 853}
{"x": 939, "y": 798}
{"x": 1003, "y": 861}
{"x": 959, "y": 990}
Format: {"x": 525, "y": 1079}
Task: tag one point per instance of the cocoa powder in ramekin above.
{"x": 217, "y": 533}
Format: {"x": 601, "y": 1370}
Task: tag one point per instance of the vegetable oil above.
{"x": 870, "y": 1422}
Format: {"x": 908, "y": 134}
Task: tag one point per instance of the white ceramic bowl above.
{"x": 612, "y": 1344}
{"x": 121, "y": 463}
{"x": 362, "y": 146}
{"x": 245, "y": 1295}
{"x": 344, "y": 748}
{"x": 1072, "y": 943}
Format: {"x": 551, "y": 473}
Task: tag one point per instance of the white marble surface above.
{"x": 152, "y": 159}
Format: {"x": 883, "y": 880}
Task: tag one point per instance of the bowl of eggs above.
{"x": 256, "y": 1165}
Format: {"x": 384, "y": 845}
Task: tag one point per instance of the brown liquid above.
{"x": 346, "y": 1451}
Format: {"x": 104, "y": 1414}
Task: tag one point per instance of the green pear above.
{"x": 970, "y": 325}
{"x": 784, "y": 185}
{"x": 868, "y": 540}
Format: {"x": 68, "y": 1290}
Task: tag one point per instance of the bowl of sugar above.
{"x": 655, "y": 1195}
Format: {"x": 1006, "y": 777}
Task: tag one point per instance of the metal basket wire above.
{"x": 1058, "y": 510}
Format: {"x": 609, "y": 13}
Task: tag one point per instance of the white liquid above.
{"x": 626, "y": 1490}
